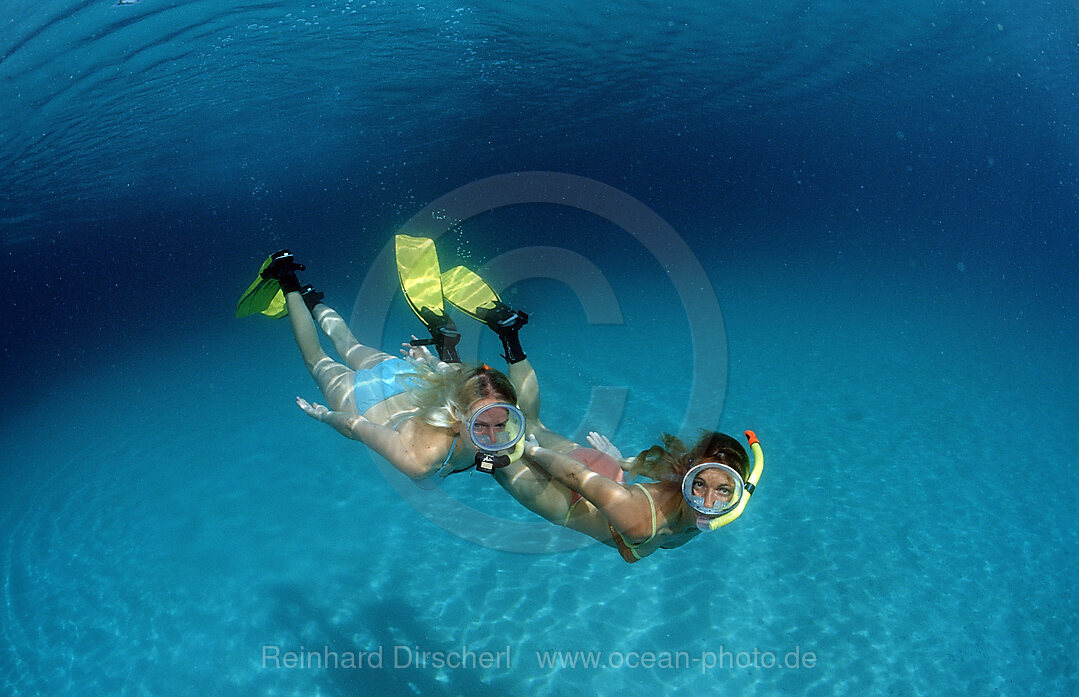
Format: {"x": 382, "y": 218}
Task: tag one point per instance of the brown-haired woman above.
{"x": 569, "y": 486}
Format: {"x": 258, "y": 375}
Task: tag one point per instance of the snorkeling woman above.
{"x": 411, "y": 412}
{"x": 694, "y": 489}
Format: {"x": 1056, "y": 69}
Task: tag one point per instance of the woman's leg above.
{"x": 355, "y": 354}
{"x": 334, "y": 379}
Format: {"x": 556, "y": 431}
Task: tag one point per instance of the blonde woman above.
{"x": 411, "y": 412}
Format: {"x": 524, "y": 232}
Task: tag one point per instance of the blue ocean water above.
{"x": 851, "y": 229}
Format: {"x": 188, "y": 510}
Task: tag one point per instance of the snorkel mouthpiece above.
{"x": 488, "y": 462}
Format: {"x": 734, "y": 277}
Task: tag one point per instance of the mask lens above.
{"x": 712, "y": 488}
{"x": 496, "y": 427}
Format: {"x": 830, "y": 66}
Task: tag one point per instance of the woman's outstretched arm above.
{"x": 523, "y": 377}
{"x": 382, "y": 439}
{"x": 626, "y": 510}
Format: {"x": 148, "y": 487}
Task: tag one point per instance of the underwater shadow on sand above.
{"x": 385, "y": 624}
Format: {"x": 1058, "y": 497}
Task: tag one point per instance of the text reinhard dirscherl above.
{"x": 398, "y": 657}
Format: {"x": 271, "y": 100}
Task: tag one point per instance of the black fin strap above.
{"x": 444, "y": 335}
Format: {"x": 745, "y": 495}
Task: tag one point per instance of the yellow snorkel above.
{"x": 751, "y": 484}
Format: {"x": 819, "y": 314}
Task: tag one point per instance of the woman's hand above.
{"x": 603, "y": 444}
{"x": 314, "y": 410}
{"x": 423, "y": 355}
{"x": 531, "y": 444}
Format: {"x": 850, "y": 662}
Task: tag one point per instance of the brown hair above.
{"x": 484, "y": 382}
{"x": 671, "y": 460}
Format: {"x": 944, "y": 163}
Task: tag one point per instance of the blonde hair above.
{"x": 444, "y": 396}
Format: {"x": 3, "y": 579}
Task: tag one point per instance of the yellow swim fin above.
{"x": 263, "y": 295}
{"x": 469, "y": 293}
{"x": 417, "y": 269}
{"x": 421, "y": 282}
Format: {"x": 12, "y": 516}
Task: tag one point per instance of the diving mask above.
{"x": 497, "y": 431}
{"x": 724, "y": 509}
